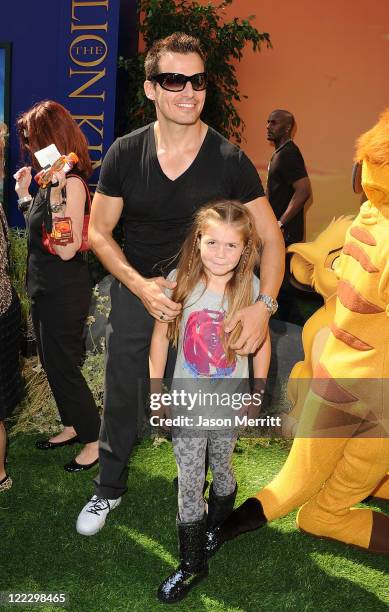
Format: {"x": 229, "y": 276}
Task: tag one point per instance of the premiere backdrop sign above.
{"x": 66, "y": 51}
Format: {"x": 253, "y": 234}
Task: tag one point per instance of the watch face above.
{"x": 272, "y": 305}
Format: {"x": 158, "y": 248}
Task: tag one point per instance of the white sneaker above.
{"x": 92, "y": 517}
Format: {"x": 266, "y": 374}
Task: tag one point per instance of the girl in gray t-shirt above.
{"x": 209, "y": 394}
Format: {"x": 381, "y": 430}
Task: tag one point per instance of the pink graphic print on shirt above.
{"x": 203, "y": 345}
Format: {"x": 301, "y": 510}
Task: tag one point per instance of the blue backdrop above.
{"x": 64, "y": 50}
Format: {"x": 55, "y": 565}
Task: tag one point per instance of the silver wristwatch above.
{"x": 270, "y": 304}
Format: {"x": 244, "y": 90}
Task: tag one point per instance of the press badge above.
{"x": 62, "y": 233}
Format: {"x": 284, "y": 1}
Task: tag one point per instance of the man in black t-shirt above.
{"x": 288, "y": 185}
{"x": 288, "y": 189}
{"x": 155, "y": 179}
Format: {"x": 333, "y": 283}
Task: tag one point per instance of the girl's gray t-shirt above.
{"x": 208, "y": 384}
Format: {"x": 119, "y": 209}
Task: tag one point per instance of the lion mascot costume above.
{"x": 340, "y": 454}
{"x": 313, "y": 266}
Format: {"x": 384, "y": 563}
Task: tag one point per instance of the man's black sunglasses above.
{"x": 173, "y": 81}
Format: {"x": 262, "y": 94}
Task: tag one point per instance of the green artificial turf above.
{"x": 276, "y": 568}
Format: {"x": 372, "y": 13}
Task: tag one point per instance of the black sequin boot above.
{"x": 193, "y": 567}
{"x": 248, "y": 517}
{"x": 219, "y": 509}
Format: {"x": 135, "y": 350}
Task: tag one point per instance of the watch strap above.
{"x": 270, "y": 303}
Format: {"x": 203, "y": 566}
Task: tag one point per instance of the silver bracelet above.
{"x": 26, "y": 198}
{"x": 24, "y": 203}
{"x": 59, "y": 206}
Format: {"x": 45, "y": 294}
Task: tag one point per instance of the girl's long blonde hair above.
{"x": 190, "y": 271}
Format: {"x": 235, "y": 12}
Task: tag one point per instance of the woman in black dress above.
{"x": 11, "y": 388}
{"x": 58, "y": 284}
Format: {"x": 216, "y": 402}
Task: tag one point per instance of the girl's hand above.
{"x": 251, "y": 409}
{"x": 23, "y": 179}
{"x": 160, "y": 415}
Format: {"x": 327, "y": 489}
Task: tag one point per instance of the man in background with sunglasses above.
{"x": 154, "y": 179}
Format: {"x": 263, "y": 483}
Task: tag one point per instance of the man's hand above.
{"x": 254, "y": 320}
{"x": 150, "y": 292}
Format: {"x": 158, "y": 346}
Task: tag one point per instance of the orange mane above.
{"x": 373, "y": 146}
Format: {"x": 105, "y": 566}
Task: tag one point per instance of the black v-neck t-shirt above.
{"x": 158, "y": 211}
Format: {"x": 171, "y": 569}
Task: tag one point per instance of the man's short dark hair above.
{"x": 178, "y": 42}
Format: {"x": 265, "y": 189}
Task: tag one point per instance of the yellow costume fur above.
{"x": 341, "y": 452}
{"x": 313, "y": 264}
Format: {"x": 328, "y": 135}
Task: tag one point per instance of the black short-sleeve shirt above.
{"x": 286, "y": 166}
{"x": 157, "y": 211}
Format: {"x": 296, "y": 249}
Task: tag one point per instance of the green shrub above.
{"x": 18, "y": 262}
{"x": 38, "y": 411}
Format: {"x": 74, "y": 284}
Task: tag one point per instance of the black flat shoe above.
{"x": 47, "y": 445}
{"x": 73, "y": 466}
